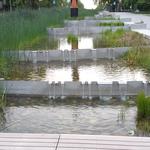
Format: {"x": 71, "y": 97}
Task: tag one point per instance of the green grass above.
{"x": 138, "y": 56}
{"x": 143, "y": 113}
{"x": 108, "y": 18}
{"x": 111, "y": 24}
{"x": 23, "y": 27}
{"x": 119, "y": 38}
{"x": 143, "y": 107}
{"x": 143, "y": 127}
{"x": 72, "y": 38}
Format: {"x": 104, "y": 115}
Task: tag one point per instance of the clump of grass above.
{"x": 109, "y": 38}
{"x": 143, "y": 107}
{"x": 111, "y": 24}
{"x": 41, "y": 42}
{"x": 108, "y": 18}
{"x": 138, "y": 56}
{"x": 143, "y": 127}
{"x": 120, "y": 38}
{"x": 2, "y": 98}
{"x": 72, "y": 38}
{"x": 143, "y": 113}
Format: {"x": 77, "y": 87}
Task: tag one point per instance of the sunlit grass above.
{"x": 120, "y": 38}
{"x": 138, "y": 56}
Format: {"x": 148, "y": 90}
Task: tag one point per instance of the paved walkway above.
{"x": 136, "y": 18}
{"x": 18, "y": 141}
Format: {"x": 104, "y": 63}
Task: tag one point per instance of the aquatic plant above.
{"x": 143, "y": 127}
{"x": 138, "y": 56}
{"x": 2, "y": 98}
{"x": 71, "y": 38}
{"x": 108, "y": 18}
{"x": 111, "y": 24}
{"x": 143, "y": 107}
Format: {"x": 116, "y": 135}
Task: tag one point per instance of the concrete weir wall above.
{"x": 89, "y": 22}
{"x": 75, "y": 89}
{"x": 78, "y": 30}
{"x": 65, "y": 56}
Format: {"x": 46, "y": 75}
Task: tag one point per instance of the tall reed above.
{"x": 22, "y": 27}
{"x": 143, "y": 107}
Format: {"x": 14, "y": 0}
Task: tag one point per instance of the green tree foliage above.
{"x": 11, "y": 4}
{"x": 143, "y": 5}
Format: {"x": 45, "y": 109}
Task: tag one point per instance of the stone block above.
{"x": 55, "y": 55}
{"x": 134, "y": 87}
{"x": 84, "y": 54}
{"x": 115, "y": 88}
{"x": 73, "y": 88}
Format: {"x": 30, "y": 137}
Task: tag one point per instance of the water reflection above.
{"x": 66, "y": 116}
{"x": 83, "y": 43}
{"x": 2, "y": 119}
{"x": 104, "y": 71}
{"x": 61, "y": 43}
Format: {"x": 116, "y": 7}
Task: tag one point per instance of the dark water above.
{"x": 70, "y": 116}
{"x": 103, "y": 71}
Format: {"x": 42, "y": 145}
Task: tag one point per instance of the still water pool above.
{"x": 72, "y": 116}
{"x": 102, "y": 71}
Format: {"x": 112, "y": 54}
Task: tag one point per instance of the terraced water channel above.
{"x": 73, "y": 115}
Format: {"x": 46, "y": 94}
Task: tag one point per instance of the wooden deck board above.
{"x": 18, "y": 141}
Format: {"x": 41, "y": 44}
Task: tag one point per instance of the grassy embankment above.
{"x": 138, "y": 55}
{"x": 119, "y": 38}
{"x": 23, "y": 28}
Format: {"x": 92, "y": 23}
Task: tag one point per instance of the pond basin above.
{"x": 102, "y": 71}
{"x": 68, "y": 116}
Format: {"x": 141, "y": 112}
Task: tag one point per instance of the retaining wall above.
{"x": 73, "y": 55}
{"x": 85, "y": 23}
{"x": 77, "y": 89}
{"x": 77, "y": 30}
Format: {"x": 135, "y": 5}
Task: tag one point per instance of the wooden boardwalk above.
{"x": 19, "y": 141}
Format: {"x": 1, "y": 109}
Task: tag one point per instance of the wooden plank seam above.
{"x": 58, "y": 142}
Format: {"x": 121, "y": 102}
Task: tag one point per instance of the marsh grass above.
{"x": 108, "y": 18}
{"x": 120, "y": 38}
{"x": 2, "y": 98}
{"x": 40, "y": 43}
{"x": 71, "y": 38}
{"x": 143, "y": 127}
{"x": 138, "y": 56}
{"x": 22, "y": 27}
{"x": 111, "y": 24}
{"x": 143, "y": 107}
{"x": 143, "y": 113}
